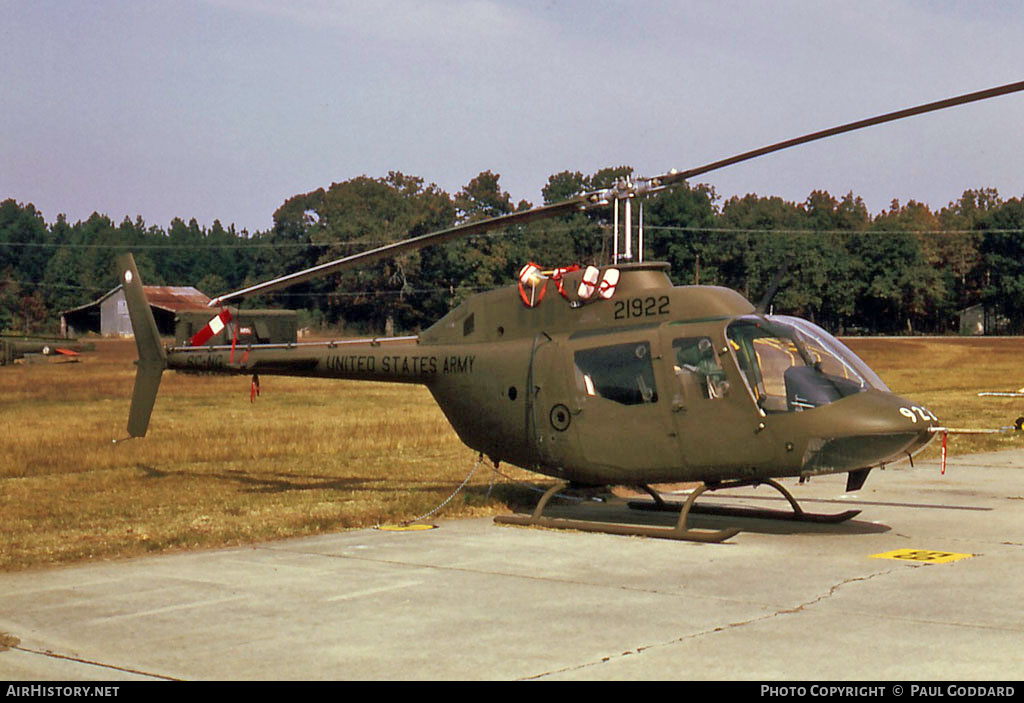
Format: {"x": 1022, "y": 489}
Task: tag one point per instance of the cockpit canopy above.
{"x": 790, "y": 364}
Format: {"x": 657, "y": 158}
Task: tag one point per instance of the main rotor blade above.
{"x": 405, "y": 245}
{"x": 597, "y": 197}
{"x": 677, "y": 176}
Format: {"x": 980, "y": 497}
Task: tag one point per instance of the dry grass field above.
{"x": 946, "y": 374}
{"x": 312, "y": 456}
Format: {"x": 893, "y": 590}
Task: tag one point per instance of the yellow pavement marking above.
{"x": 406, "y": 528}
{"x": 922, "y": 556}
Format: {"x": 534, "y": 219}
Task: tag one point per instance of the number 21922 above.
{"x": 641, "y": 307}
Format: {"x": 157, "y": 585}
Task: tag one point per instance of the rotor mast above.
{"x": 627, "y": 190}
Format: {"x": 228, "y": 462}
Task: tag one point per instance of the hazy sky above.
{"x": 222, "y": 109}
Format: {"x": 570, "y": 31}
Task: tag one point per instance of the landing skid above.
{"x": 798, "y": 514}
{"x": 680, "y": 531}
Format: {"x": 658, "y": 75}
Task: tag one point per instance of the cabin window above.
{"x": 696, "y": 364}
{"x": 622, "y": 373}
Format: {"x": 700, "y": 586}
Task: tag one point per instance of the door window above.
{"x": 696, "y": 364}
{"x": 621, "y": 373}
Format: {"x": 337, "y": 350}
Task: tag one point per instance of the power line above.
{"x": 492, "y": 235}
{"x": 447, "y": 290}
{"x": 792, "y": 230}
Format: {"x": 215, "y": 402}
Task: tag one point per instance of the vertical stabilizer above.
{"x": 152, "y": 359}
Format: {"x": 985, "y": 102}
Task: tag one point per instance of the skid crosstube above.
{"x": 680, "y": 531}
{"x": 798, "y": 514}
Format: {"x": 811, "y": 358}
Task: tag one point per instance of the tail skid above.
{"x": 152, "y": 358}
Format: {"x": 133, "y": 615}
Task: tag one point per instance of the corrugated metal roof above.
{"x": 171, "y": 298}
{"x": 175, "y": 298}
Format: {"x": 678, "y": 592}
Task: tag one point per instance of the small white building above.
{"x": 972, "y": 320}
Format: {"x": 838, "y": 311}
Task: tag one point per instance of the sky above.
{"x": 224, "y": 109}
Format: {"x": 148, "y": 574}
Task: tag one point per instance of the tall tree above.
{"x": 61, "y": 281}
{"x": 364, "y": 213}
{"x": 743, "y": 256}
{"x": 1002, "y": 251}
{"x": 678, "y": 225}
{"x": 824, "y": 284}
{"x": 23, "y": 236}
{"x": 960, "y": 244}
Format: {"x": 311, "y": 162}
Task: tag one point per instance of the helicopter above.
{"x": 605, "y": 375}
{"x": 13, "y": 348}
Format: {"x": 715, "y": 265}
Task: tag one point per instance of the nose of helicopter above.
{"x": 869, "y": 429}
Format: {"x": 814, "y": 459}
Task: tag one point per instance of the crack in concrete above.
{"x": 79, "y": 660}
{"x": 722, "y": 628}
{"x": 832, "y": 591}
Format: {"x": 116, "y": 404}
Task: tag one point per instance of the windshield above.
{"x": 792, "y": 365}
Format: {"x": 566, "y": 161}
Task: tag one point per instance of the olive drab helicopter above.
{"x": 603, "y": 376}
{"x": 14, "y": 348}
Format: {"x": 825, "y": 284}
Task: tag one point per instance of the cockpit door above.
{"x": 718, "y": 424}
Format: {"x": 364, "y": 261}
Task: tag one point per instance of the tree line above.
{"x": 906, "y": 270}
